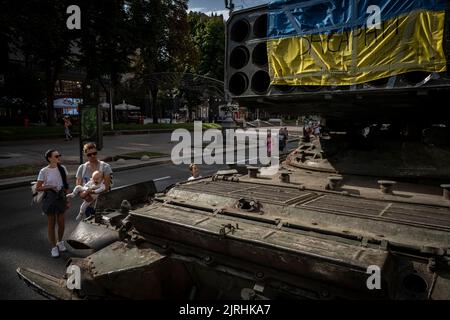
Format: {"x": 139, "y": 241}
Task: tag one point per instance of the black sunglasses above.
{"x": 91, "y": 154}
{"x": 57, "y": 155}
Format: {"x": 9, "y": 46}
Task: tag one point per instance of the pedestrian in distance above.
{"x": 67, "y": 125}
{"x": 269, "y": 143}
{"x": 286, "y": 138}
{"x": 317, "y": 130}
{"x": 281, "y": 140}
{"x": 52, "y": 180}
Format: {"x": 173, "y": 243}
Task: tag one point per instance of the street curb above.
{"x": 141, "y": 165}
{"x": 26, "y": 181}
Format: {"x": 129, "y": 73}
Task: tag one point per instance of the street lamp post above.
{"x": 111, "y": 102}
{"x": 111, "y": 106}
{"x": 109, "y": 78}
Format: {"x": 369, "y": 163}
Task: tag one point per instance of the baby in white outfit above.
{"x": 96, "y": 185}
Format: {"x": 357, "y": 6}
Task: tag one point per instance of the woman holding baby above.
{"x": 86, "y": 170}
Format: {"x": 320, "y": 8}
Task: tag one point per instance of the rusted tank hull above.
{"x": 198, "y": 241}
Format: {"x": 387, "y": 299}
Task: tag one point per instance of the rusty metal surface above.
{"x": 119, "y": 257}
{"x": 89, "y": 237}
{"x": 217, "y": 239}
{"x": 271, "y": 194}
{"x": 123, "y": 270}
{"x": 282, "y": 249}
{"x": 401, "y": 224}
{"x": 135, "y": 193}
{"x": 430, "y": 216}
{"x": 261, "y": 234}
{"x": 49, "y": 286}
{"x": 426, "y": 216}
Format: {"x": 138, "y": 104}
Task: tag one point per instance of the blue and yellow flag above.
{"x": 339, "y": 42}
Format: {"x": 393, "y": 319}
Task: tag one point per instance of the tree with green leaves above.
{"x": 162, "y": 33}
{"x": 40, "y": 34}
{"x": 106, "y": 42}
{"x": 208, "y": 34}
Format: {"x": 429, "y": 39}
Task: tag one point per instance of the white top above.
{"x": 98, "y": 188}
{"x": 51, "y": 177}
{"x": 84, "y": 171}
{"x": 192, "y": 178}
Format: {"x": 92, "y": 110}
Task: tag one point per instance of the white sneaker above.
{"x": 79, "y": 216}
{"x": 70, "y": 195}
{"x": 55, "y": 252}
{"x": 61, "y": 246}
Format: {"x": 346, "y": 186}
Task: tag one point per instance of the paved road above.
{"x": 23, "y": 231}
{"x": 32, "y": 152}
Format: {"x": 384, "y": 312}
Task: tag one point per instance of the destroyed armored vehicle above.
{"x": 331, "y": 224}
{"x": 233, "y": 236}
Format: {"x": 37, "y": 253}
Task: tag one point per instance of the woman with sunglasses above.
{"x": 84, "y": 172}
{"x": 52, "y": 179}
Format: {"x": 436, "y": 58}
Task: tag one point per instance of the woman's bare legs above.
{"x": 61, "y": 226}
{"x": 51, "y": 219}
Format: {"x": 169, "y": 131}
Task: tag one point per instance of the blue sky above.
{"x": 218, "y": 6}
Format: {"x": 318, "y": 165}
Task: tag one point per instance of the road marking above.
{"x": 245, "y": 160}
{"x": 163, "y": 178}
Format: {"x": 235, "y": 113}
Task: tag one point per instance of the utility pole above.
{"x": 111, "y": 102}
{"x": 111, "y": 105}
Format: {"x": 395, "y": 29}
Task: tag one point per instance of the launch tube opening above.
{"x": 240, "y": 30}
{"x": 259, "y": 55}
{"x": 238, "y": 83}
{"x": 239, "y": 57}
{"x": 260, "y": 26}
{"x": 260, "y": 82}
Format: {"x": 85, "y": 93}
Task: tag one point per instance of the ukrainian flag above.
{"x": 328, "y": 42}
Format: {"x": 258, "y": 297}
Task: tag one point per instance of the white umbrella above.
{"x": 104, "y": 105}
{"x": 125, "y": 106}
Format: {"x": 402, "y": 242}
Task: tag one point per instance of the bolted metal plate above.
{"x": 266, "y": 193}
{"x": 414, "y": 214}
{"x": 119, "y": 257}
